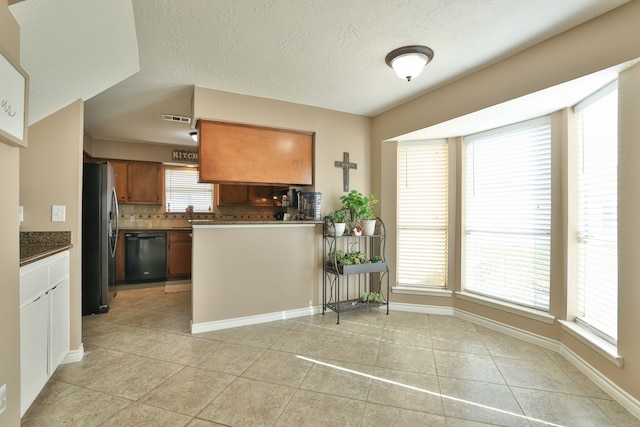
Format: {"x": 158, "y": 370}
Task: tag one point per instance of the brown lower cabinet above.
{"x": 178, "y": 254}
{"x": 120, "y": 257}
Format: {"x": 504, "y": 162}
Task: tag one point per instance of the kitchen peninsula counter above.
{"x": 217, "y": 222}
{"x": 247, "y": 272}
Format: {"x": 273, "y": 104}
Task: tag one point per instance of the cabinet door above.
{"x": 120, "y": 257}
{"x": 145, "y": 183}
{"x": 246, "y": 195}
{"x": 231, "y": 194}
{"x": 121, "y": 180}
{"x": 178, "y": 254}
{"x": 34, "y": 349}
{"x": 59, "y": 327}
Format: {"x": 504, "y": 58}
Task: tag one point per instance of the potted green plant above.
{"x": 374, "y": 297}
{"x": 356, "y": 203}
{"x": 368, "y": 218}
{"x": 361, "y": 209}
{"x": 339, "y": 219}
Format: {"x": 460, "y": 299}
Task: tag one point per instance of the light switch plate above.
{"x": 21, "y": 213}
{"x": 3, "y": 398}
{"x": 58, "y": 213}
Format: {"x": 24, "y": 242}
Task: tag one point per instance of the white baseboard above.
{"x": 509, "y": 330}
{"x": 421, "y": 308}
{"x": 74, "y": 355}
{"x": 627, "y": 401}
{"x": 197, "y": 328}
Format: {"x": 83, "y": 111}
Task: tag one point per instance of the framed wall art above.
{"x": 14, "y": 88}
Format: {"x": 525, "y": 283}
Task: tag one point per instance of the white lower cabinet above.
{"x": 44, "y": 323}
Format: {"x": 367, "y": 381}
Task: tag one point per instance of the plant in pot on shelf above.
{"x": 339, "y": 219}
{"x": 352, "y": 257}
{"x": 376, "y": 258}
{"x": 375, "y": 297}
{"x": 368, "y": 218}
{"x": 361, "y": 209}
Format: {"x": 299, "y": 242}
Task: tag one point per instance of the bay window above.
{"x": 507, "y": 213}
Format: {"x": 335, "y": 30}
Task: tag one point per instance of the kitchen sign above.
{"x": 185, "y": 156}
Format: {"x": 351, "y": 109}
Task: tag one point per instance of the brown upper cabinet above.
{"x": 231, "y": 153}
{"x": 140, "y": 183}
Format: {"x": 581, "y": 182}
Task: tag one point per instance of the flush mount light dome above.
{"x": 409, "y": 61}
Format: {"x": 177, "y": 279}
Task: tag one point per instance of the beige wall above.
{"x": 567, "y": 56}
{"x": 335, "y": 133}
{"x": 51, "y": 173}
{"x": 9, "y": 250}
{"x": 254, "y": 270}
{"x": 133, "y": 151}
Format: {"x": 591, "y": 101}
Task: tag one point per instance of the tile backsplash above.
{"x": 154, "y": 216}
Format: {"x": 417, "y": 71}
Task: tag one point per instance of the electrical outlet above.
{"x": 58, "y": 213}
{"x": 132, "y": 218}
{"x": 3, "y": 398}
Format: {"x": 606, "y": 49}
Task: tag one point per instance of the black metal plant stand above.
{"x": 344, "y": 285}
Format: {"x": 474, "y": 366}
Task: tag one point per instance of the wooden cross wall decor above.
{"x": 345, "y": 165}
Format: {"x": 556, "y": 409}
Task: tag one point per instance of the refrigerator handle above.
{"x": 114, "y": 203}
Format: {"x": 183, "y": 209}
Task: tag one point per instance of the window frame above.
{"x": 435, "y": 228}
{"x": 168, "y": 197}
{"x": 534, "y": 300}
{"x": 590, "y": 236}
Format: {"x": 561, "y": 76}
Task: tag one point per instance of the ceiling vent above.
{"x": 172, "y": 118}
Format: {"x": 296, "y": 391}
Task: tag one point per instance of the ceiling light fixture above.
{"x": 409, "y": 61}
{"x": 194, "y": 136}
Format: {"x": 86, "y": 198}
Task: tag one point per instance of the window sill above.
{"x": 420, "y": 290}
{"x": 530, "y": 313}
{"x": 594, "y": 342}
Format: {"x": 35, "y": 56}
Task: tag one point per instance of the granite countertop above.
{"x": 35, "y": 245}
{"x": 32, "y": 253}
{"x": 249, "y": 222}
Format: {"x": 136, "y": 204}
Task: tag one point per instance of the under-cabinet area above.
{"x": 248, "y": 195}
{"x": 355, "y": 274}
{"x": 138, "y": 252}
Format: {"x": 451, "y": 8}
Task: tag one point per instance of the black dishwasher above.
{"x": 146, "y": 257}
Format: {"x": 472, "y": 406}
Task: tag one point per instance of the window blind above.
{"x": 507, "y": 222}
{"x": 182, "y": 189}
{"x": 597, "y": 237}
{"x": 422, "y": 249}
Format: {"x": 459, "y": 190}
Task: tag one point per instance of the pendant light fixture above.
{"x": 409, "y": 61}
{"x": 194, "y": 136}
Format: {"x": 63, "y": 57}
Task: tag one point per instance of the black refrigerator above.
{"x": 99, "y": 236}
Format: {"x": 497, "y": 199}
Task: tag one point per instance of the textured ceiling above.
{"x": 327, "y": 53}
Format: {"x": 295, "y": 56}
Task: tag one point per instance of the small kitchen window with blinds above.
{"x": 423, "y": 213}
{"x": 182, "y": 189}
{"x": 597, "y": 237}
{"x": 507, "y": 213}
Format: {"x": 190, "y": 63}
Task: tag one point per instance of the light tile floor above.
{"x": 143, "y": 367}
